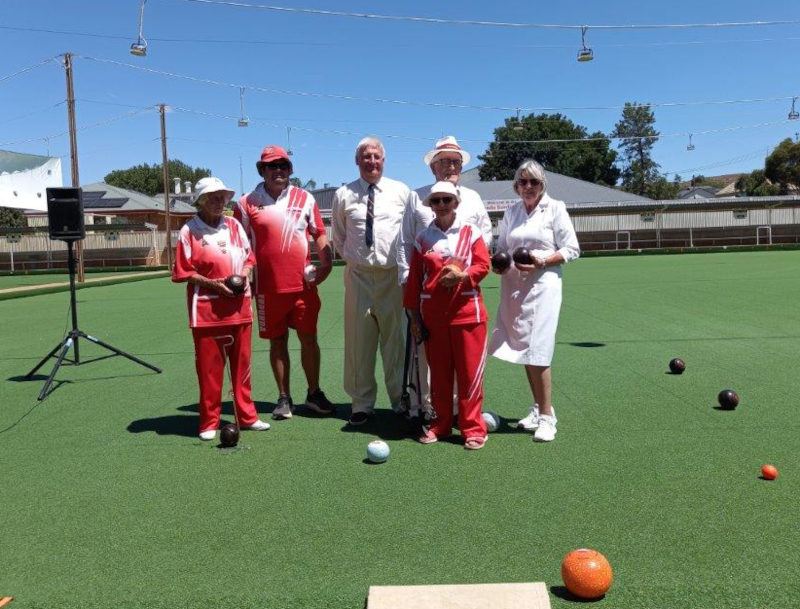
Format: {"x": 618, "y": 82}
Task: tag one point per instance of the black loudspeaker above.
{"x": 65, "y": 214}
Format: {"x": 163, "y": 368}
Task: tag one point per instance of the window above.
{"x": 648, "y": 216}
{"x": 740, "y": 214}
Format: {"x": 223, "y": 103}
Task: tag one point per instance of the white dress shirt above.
{"x": 348, "y": 222}
{"x": 418, "y": 217}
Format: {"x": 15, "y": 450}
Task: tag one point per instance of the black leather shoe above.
{"x": 358, "y": 418}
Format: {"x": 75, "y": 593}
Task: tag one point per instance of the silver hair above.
{"x": 367, "y": 142}
{"x": 533, "y": 169}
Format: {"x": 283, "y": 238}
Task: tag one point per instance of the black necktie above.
{"x": 370, "y": 214}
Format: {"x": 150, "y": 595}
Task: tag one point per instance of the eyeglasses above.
{"x": 278, "y": 165}
{"x": 442, "y": 200}
{"x": 525, "y": 182}
{"x": 455, "y": 162}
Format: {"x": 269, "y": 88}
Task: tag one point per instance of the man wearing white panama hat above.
{"x": 446, "y": 161}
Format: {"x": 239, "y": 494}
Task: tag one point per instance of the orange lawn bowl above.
{"x": 769, "y": 472}
{"x": 586, "y": 573}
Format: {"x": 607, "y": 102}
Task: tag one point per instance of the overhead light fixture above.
{"x": 139, "y": 48}
{"x": 690, "y": 147}
{"x": 518, "y": 123}
{"x": 585, "y": 54}
{"x": 793, "y": 114}
{"x": 243, "y": 121}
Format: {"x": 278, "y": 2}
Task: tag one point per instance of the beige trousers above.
{"x": 373, "y": 317}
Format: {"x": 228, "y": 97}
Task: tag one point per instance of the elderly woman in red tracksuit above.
{"x": 442, "y": 294}
{"x": 212, "y": 247}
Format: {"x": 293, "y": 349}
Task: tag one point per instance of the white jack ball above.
{"x": 377, "y": 451}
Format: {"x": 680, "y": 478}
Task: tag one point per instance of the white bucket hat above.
{"x": 447, "y": 144}
{"x": 208, "y": 185}
{"x": 442, "y": 188}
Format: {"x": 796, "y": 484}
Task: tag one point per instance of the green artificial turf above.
{"x": 110, "y": 500}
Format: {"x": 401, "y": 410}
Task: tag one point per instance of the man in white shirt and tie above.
{"x": 446, "y": 161}
{"x": 365, "y": 222}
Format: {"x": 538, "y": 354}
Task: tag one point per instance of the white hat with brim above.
{"x": 441, "y": 188}
{"x": 208, "y": 185}
{"x": 447, "y": 144}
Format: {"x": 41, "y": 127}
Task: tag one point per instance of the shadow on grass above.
{"x": 588, "y": 345}
{"x": 383, "y": 424}
{"x": 562, "y": 593}
{"x": 169, "y": 425}
{"x": 300, "y": 410}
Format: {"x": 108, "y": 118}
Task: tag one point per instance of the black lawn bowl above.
{"x": 677, "y": 366}
{"x": 522, "y": 255}
{"x": 501, "y": 261}
{"x": 229, "y": 436}
{"x": 235, "y": 283}
{"x": 728, "y": 399}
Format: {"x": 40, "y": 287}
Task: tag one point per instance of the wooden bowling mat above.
{"x": 4, "y": 600}
{"x": 532, "y": 595}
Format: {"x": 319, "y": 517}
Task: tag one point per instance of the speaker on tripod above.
{"x": 65, "y": 221}
{"x": 65, "y": 214}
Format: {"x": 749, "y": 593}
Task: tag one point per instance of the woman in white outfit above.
{"x": 530, "y": 294}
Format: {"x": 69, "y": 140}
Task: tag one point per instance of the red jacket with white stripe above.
{"x": 279, "y": 231}
{"x": 213, "y": 252}
{"x": 462, "y": 245}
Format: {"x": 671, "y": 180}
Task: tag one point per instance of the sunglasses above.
{"x": 455, "y": 162}
{"x": 278, "y": 165}
{"x": 525, "y": 182}
{"x": 442, "y": 200}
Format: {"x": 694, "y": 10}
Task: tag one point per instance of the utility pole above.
{"x": 162, "y": 112}
{"x": 73, "y": 153}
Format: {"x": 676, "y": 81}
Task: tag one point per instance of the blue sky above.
{"x": 486, "y": 68}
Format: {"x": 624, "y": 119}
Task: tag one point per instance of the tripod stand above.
{"x": 71, "y": 339}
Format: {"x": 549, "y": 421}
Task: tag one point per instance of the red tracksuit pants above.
{"x": 457, "y": 351}
{"x": 212, "y": 346}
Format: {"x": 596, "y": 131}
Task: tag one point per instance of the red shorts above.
{"x": 279, "y": 312}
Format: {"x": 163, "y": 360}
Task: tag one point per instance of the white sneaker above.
{"x": 259, "y": 425}
{"x": 208, "y": 434}
{"x": 530, "y": 422}
{"x": 547, "y": 428}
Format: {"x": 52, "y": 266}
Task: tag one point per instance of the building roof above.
{"x": 572, "y": 191}
{"x": 18, "y": 161}
{"x": 698, "y": 192}
{"x": 104, "y": 197}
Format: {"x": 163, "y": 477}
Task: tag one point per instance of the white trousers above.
{"x": 373, "y": 316}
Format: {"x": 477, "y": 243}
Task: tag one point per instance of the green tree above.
{"x": 12, "y": 217}
{"x": 782, "y": 166}
{"x": 309, "y": 185}
{"x": 526, "y": 138}
{"x": 637, "y": 135}
{"x": 149, "y": 179}
{"x": 756, "y": 184}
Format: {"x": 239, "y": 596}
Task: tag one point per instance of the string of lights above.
{"x": 407, "y": 102}
{"x": 504, "y": 24}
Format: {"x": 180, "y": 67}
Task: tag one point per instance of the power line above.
{"x": 32, "y": 113}
{"x": 103, "y": 123}
{"x": 310, "y": 43}
{"x": 407, "y": 102}
{"x": 491, "y": 142}
{"x": 28, "y": 69}
{"x": 504, "y": 24}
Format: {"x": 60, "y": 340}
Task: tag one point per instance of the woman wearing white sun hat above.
{"x": 211, "y": 248}
{"x": 449, "y": 260}
{"x": 530, "y": 294}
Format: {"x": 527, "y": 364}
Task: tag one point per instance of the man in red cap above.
{"x": 280, "y": 218}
